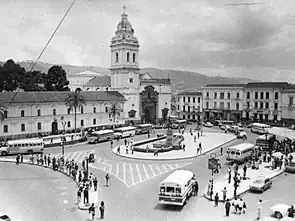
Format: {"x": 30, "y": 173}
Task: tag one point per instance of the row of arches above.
{"x": 127, "y": 57}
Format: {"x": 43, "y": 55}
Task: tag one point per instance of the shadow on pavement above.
{"x": 168, "y": 207}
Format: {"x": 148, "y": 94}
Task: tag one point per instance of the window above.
{"x": 276, "y": 95}
{"x": 266, "y": 105}
{"x": 188, "y": 109}
{"x": 221, "y": 104}
{"x": 38, "y": 126}
{"x": 261, "y": 95}
{"x": 128, "y": 56}
{"x": 133, "y": 57}
{"x": 215, "y": 105}
{"x": 177, "y": 107}
{"x": 188, "y": 99}
{"x": 82, "y": 123}
{"x": 94, "y": 109}
{"x": 228, "y": 95}
{"x": 106, "y": 109}
{"x": 69, "y": 123}
{"x": 82, "y": 109}
{"x": 178, "y": 99}
{"x": 256, "y": 104}
{"x": 215, "y": 95}
{"x": 23, "y": 127}
{"x": 291, "y": 98}
{"x": 267, "y": 95}
{"x": 207, "y": 105}
{"x": 117, "y": 57}
{"x": 5, "y": 113}
{"x": 183, "y": 99}
{"x": 38, "y": 113}
{"x": 228, "y": 105}
{"x": 194, "y": 100}
{"x": 54, "y": 111}
{"x": 94, "y": 121}
{"x": 237, "y": 106}
{"x": 221, "y": 95}
{"x": 5, "y": 128}
{"x": 248, "y": 95}
{"x": 69, "y": 111}
{"x": 261, "y": 105}
{"x": 256, "y": 95}
{"x": 275, "y": 106}
{"x": 130, "y": 80}
{"x": 22, "y": 113}
{"x": 183, "y": 108}
{"x": 207, "y": 94}
{"x": 248, "y": 105}
{"x": 199, "y": 99}
{"x": 149, "y": 94}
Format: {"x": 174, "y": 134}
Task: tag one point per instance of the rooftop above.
{"x": 57, "y": 96}
{"x": 104, "y": 80}
{"x": 225, "y": 85}
{"x": 267, "y": 85}
{"x": 197, "y": 93}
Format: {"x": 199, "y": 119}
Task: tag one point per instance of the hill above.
{"x": 181, "y": 80}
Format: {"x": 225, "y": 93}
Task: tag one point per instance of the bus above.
{"x": 54, "y": 139}
{"x": 177, "y": 188}
{"x": 179, "y": 124}
{"x": 124, "y": 132}
{"x": 23, "y": 146}
{"x": 240, "y": 152}
{"x": 102, "y": 135}
{"x": 223, "y": 122}
{"x": 266, "y": 141}
{"x": 259, "y": 128}
{"x": 98, "y": 127}
{"x": 144, "y": 129}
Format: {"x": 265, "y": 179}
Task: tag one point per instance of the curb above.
{"x": 242, "y": 193}
{"x": 184, "y": 158}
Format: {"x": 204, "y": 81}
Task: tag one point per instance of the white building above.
{"x": 189, "y": 105}
{"x": 34, "y": 112}
{"x": 223, "y": 101}
{"x": 288, "y": 104}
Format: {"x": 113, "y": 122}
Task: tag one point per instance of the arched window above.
{"x": 117, "y": 57}
{"x": 128, "y": 56}
{"x": 133, "y": 57}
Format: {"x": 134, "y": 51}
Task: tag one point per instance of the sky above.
{"x": 235, "y": 38}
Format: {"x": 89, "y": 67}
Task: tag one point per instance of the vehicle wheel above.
{"x": 3, "y": 153}
{"x": 278, "y": 215}
{"x": 30, "y": 151}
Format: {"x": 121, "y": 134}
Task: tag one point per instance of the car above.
{"x": 208, "y": 124}
{"x": 249, "y": 125}
{"x": 242, "y": 135}
{"x": 4, "y": 217}
{"x": 280, "y": 210}
{"x": 224, "y": 127}
{"x": 261, "y": 184}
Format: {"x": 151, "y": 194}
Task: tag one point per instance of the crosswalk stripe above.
{"x": 124, "y": 172}
{"x": 73, "y": 157}
{"x": 131, "y": 173}
{"x": 67, "y": 155}
{"x": 117, "y": 170}
{"x": 171, "y": 167}
{"x": 158, "y": 168}
{"x": 84, "y": 155}
{"x": 139, "y": 174}
{"x": 165, "y": 168}
{"x": 76, "y": 158}
{"x": 145, "y": 171}
{"x": 153, "y": 172}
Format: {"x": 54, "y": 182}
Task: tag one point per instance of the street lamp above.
{"x": 63, "y": 122}
{"x": 87, "y": 168}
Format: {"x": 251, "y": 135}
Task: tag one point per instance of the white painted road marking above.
{"x": 138, "y": 172}
{"x": 117, "y": 170}
{"x": 131, "y": 174}
{"x": 153, "y": 172}
{"x": 124, "y": 173}
{"x": 145, "y": 171}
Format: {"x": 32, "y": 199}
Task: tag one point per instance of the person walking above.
{"x": 216, "y": 199}
{"x": 224, "y": 191}
{"x": 118, "y": 150}
{"x": 195, "y": 138}
{"x": 107, "y": 177}
{"x": 79, "y": 195}
{"x": 235, "y": 204}
{"x": 196, "y": 187}
{"x": 244, "y": 172}
{"x": 91, "y": 212}
{"x": 125, "y": 142}
{"x": 244, "y": 207}
{"x": 95, "y": 182}
{"x": 111, "y": 142}
{"x": 291, "y": 212}
{"x": 21, "y": 158}
{"x": 221, "y": 150}
{"x": 200, "y": 147}
{"x": 101, "y": 209}
{"x": 240, "y": 206}
{"x": 259, "y": 210}
{"x": 227, "y": 207}
{"x": 86, "y": 196}
{"x": 229, "y": 174}
{"x": 17, "y": 159}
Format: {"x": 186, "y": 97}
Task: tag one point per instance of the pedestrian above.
{"x": 259, "y": 210}
{"x": 95, "y": 182}
{"x": 196, "y": 187}
{"x": 227, "y": 207}
{"x": 91, "y": 212}
{"x": 86, "y": 196}
{"x": 107, "y": 177}
{"x": 198, "y": 135}
{"x": 118, "y": 150}
{"x": 216, "y": 199}
{"x": 17, "y": 159}
{"x": 291, "y": 212}
{"x": 235, "y": 204}
{"x": 200, "y": 147}
{"x": 240, "y": 206}
{"x": 79, "y": 194}
{"x": 224, "y": 191}
{"x": 45, "y": 160}
{"x": 244, "y": 171}
{"x": 183, "y": 147}
{"x": 221, "y": 150}
{"x": 80, "y": 177}
{"x": 229, "y": 177}
{"x": 112, "y": 142}
{"x": 244, "y": 207}
{"x": 195, "y": 138}
{"x": 21, "y": 158}
{"x": 125, "y": 142}
{"x": 101, "y": 209}
{"x": 83, "y": 164}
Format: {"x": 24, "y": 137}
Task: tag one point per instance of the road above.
{"x": 35, "y": 193}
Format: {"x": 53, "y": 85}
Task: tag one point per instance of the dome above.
{"x": 124, "y": 24}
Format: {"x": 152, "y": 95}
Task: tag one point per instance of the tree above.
{"x": 2, "y": 112}
{"x": 75, "y": 100}
{"x": 31, "y": 81}
{"x": 56, "y": 79}
{"x": 114, "y": 110}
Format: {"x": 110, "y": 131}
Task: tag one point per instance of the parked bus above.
{"x": 53, "y": 139}
{"x": 98, "y": 127}
{"x": 102, "y": 135}
{"x": 224, "y": 122}
{"x": 266, "y": 141}
{"x": 259, "y": 128}
{"x": 176, "y": 188}
{"x": 23, "y": 146}
{"x": 124, "y": 132}
{"x": 240, "y": 152}
{"x": 144, "y": 129}
{"x": 179, "y": 124}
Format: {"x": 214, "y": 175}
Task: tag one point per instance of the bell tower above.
{"x": 124, "y": 57}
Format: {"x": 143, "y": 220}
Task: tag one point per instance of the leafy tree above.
{"x": 2, "y": 112}
{"x": 56, "y": 79}
{"x": 75, "y": 100}
{"x": 114, "y": 111}
{"x": 31, "y": 80}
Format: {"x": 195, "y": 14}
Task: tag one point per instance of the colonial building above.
{"x": 34, "y": 112}
{"x": 263, "y": 101}
{"x": 223, "y": 101}
{"x": 288, "y": 104}
{"x": 148, "y": 99}
{"x": 189, "y": 105}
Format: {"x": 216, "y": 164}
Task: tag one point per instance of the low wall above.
{"x": 139, "y": 148}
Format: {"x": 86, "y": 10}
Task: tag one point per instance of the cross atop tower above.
{"x": 124, "y": 9}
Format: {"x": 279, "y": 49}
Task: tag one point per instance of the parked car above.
{"x": 249, "y": 125}
{"x": 208, "y": 124}
{"x": 242, "y": 135}
{"x": 225, "y": 127}
{"x": 280, "y": 210}
{"x": 4, "y": 217}
{"x": 261, "y": 184}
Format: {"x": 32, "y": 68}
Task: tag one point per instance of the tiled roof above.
{"x": 224, "y": 85}
{"x": 104, "y": 80}
{"x": 85, "y": 74}
{"x": 60, "y": 96}
{"x": 197, "y": 93}
{"x": 267, "y": 85}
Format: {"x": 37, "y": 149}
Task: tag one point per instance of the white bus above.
{"x": 144, "y": 129}
{"x": 30, "y": 146}
{"x": 176, "y": 188}
{"x": 240, "y": 152}
{"x": 102, "y": 135}
{"x": 124, "y": 132}
{"x": 179, "y": 124}
{"x": 259, "y": 128}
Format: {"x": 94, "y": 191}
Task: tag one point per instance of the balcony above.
{"x": 206, "y": 98}
{"x": 237, "y": 98}
{"x": 275, "y": 112}
{"x": 247, "y": 109}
